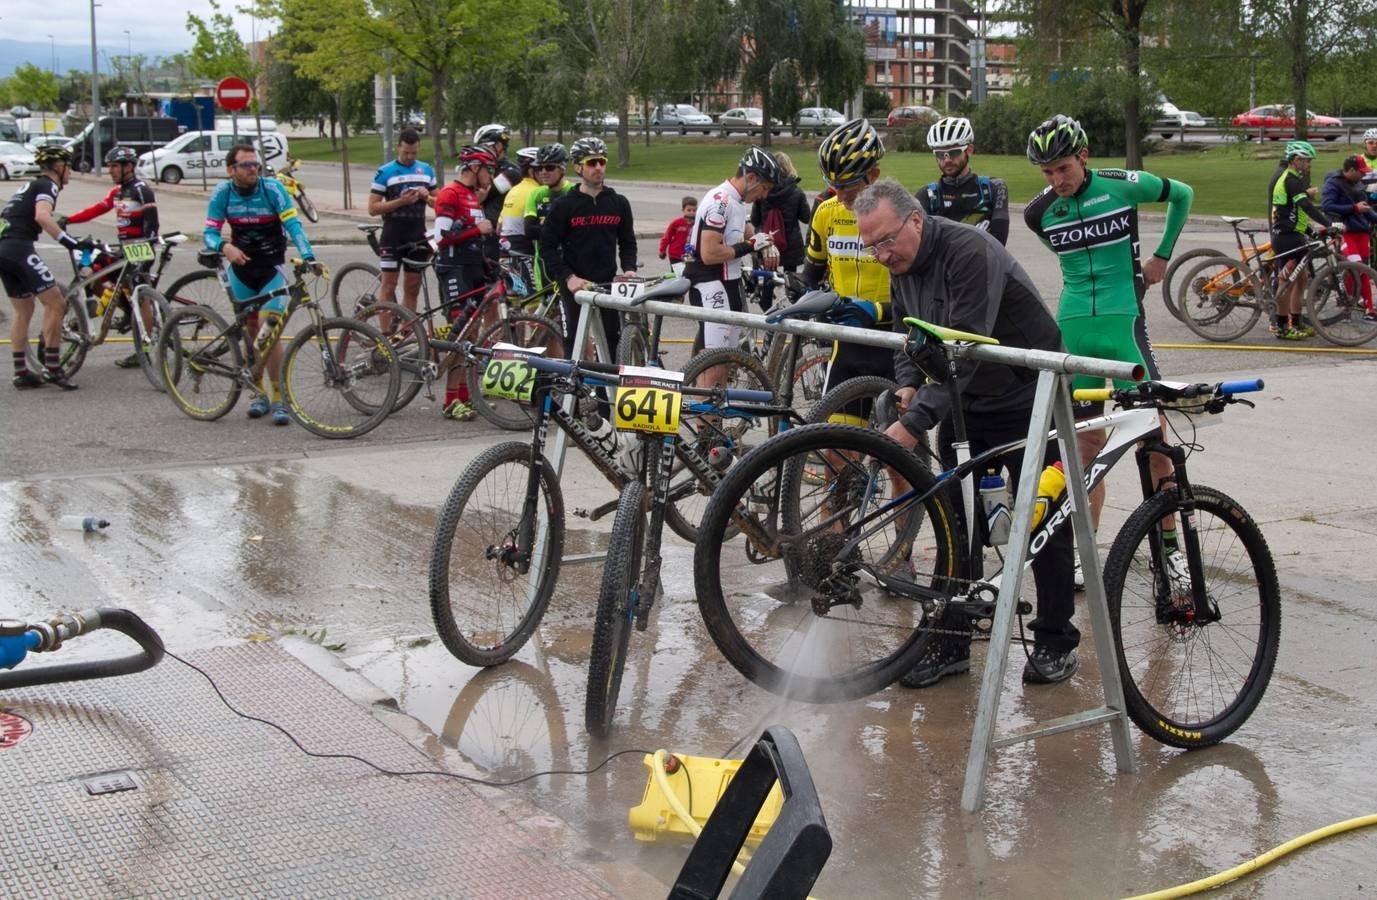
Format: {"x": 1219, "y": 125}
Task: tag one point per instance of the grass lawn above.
{"x": 1228, "y": 179}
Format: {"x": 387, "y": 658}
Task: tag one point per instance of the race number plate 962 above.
{"x": 507, "y": 376}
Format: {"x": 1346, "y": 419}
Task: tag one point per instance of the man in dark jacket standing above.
{"x": 963, "y": 278}
{"x": 1345, "y": 198}
{"x": 584, "y": 233}
{"x": 788, "y": 199}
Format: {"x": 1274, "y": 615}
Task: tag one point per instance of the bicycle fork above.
{"x": 648, "y": 587}
{"x": 1201, "y": 610}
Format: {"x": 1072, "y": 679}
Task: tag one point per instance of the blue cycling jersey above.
{"x": 394, "y": 179}
{"x": 259, "y": 222}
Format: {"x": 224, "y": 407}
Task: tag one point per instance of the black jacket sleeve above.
{"x": 626, "y": 238}
{"x": 999, "y": 210}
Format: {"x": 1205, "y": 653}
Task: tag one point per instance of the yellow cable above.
{"x": 1267, "y": 348}
{"x": 1258, "y": 862}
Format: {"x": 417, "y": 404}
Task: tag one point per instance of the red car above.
{"x": 906, "y": 115}
{"x": 1277, "y": 122}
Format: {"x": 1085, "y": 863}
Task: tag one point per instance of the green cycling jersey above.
{"x": 1095, "y": 236}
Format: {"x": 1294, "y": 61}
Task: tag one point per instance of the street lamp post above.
{"x": 95, "y": 93}
{"x": 129, "y": 58}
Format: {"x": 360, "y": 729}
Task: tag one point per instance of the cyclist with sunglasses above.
{"x": 960, "y": 194}
{"x": 551, "y": 161}
{"x": 461, "y": 227}
{"x": 585, "y": 232}
{"x": 261, "y": 216}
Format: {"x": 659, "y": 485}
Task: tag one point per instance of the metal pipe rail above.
{"x": 1044, "y": 360}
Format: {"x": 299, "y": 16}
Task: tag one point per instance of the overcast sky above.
{"x": 160, "y": 24}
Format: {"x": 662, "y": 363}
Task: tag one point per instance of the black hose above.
{"x": 121, "y": 620}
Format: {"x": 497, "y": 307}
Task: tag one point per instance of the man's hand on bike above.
{"x": 314, "y": 266}
{"x": 575, "y": 283}
{"x": 769, "y": 257}
{"x": 1154, "y": 270}
{"x": 907, "y": 439}
{"x": 761, "y": 240}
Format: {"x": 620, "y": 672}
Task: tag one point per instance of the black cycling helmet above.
{"x": 587, "y": 148}
{"x": 849, "y": 152}
{"x": 762, "y": 164}
{"x": 552, "y": 155}
{"x": 121, "y": 155}
{"x": 47, "y": 156}
{"x": 1057, "y": 138}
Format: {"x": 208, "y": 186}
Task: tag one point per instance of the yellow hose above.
{"x": 1258, "y": 862}
{"x": 1268, "y": 348}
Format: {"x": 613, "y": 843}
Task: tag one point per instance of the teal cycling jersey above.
{"x": 260, "y": 222}
{"x": 1095, "y": 237}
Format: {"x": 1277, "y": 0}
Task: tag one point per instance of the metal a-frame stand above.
{"x": 1052, "y": 403}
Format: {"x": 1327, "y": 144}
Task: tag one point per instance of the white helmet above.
{"x": 949, "y": 132}
{"x": 1370, "y": 134}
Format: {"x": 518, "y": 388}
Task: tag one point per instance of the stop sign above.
{"x": 233, "y": 93}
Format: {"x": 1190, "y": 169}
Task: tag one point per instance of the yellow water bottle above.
{"x": 104, "y": 300}
{"x": 1050, "y": 486}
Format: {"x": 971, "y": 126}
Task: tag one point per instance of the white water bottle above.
{"x": 994, "y": 494}
{"x": 84, "y": 523}
{"x": 602, "y": 432}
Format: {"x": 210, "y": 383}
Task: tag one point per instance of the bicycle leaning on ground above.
{"x": 339, "y": 376}
{"x": 864, "y": 556}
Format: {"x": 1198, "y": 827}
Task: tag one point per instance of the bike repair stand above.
{"x": 1052, "y": 403}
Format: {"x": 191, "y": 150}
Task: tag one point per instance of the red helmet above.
{"x": 476, "y": 155}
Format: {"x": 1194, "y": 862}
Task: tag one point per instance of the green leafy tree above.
{"x": 33, "y": 87}
{"x": 1308, "y": 32}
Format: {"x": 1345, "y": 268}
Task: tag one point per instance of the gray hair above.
{"x": 900, "y": 200}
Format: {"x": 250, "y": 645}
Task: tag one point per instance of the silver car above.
{"x": 16, "y": 161}
{"x": 749, "y": 119}
{"x": 678, "y": 114}
{"x": 819, "y": 119}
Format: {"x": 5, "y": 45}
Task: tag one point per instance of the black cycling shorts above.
{"x": 465, "y": 281}
{"x": 411, "y": 254}
{"x": 854, "y": 361}
{"x": 22, "y": 269}
{"x": 1286, "y": 247}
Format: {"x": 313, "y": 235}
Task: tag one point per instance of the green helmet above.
{"x": 1056, "y": 138}
{"x": 1300, "y": 148}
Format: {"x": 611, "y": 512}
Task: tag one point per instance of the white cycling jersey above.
{"x": 722, "y": 210}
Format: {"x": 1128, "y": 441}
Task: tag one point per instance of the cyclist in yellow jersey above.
{"x": 849, "y": 159}
{"x": 512, "y": 241}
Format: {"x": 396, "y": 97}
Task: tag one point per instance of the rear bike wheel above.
{"x": 341, "y": 381}
{"x": 1335, "y": 306}
{"x": 521, "y": 330}
{"x": 1219, "y": 300}
{"x": 633, "y": 349}
{"x": 1176, "y": 267}
{"x": 406, "y": 333}
{"x": 200, "y": 287}
{"x": 307, "y": 207}
{"x": 1190, "y": 680}
{"x": 617, "y": 603}
{"x": 75, "y": 331}
{"x": 805, "y": 616}
{"x": 200, "y": 363}
{"x": 354, "y": 286}
{"x": 810, "y": 377}
{"x": 145, "y": 336}
{"x": 485, "y": 608}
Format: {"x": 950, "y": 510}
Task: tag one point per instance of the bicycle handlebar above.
{"x": 18, "y": 638}
{"x": 1157, "y": 392}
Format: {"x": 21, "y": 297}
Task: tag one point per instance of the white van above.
{"x": 185, "y": 156}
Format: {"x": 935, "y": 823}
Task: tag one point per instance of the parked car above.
{"x": 592, "y": 118}
{"x": 819, "y": 119}
{"x": 19, "y": 112}
{"x": 679, "y": 114}
{"x": 907, "y": 115}
{"x": 34, "y": 141}
{"x": 1180, "y": 121}
{"x": 195, "y": 150}
{"x": 16, "y": 161}
{"x": 1276, "y": 122}
{"x": 142, "y": 133}
{"x": 749, "y": 119}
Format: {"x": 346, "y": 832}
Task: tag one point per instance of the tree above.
{"x": 33, "y": 87}
{"x": 1307, "y": 32}
{"x": 218, "y": 52}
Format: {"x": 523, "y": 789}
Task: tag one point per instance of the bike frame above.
{"x": 128, "y": 279}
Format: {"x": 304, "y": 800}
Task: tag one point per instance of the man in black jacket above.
{"x": 584, "y": 233}
{"x": 963, "y": 278}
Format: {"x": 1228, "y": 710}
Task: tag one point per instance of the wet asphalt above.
{"x": 236, "y": 531}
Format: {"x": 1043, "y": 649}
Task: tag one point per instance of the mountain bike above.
{"x": 1180, "y": 263}
{"x": 1221, "y": 299}
{"x": 295, "y": 188}
{"x": 865, "y": 556}
{"x": 111, "y": 280}
{"x": 339, "y": 376}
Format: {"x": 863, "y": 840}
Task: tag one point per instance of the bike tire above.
{"x": 1169, "y": 664}
{"x": 1335, "y": 307}
{"x": 498, "y": 611}
{"x": 145, "y": 345}
{"x": 632, "y": 346}
{"x": 75, "y": 340}
{"x": 523, "y": 330}
{"x": 617, "y": 603}
{"x": 810, "y": 377}
{"x": 200, "y": 363}
{"x": 1176, "y": 265}
{"x": 340, "y": 382}
{"x": 354, "y": 286}
{"x": 763, "y": 617}
{"x": 410, "y": 343}
{"x": 201, "y": 287}
{"x": 1218, "y": 299}
{"x": 307, "y": 207}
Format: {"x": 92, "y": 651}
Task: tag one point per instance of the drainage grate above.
{"x": 109, "y": 783}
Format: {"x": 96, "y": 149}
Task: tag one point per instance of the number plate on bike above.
{"x": 507, "y": 376}
{"x": 626, "y": 290}
{"x": 648, "y": 400}
{"x": 138, "y": 251}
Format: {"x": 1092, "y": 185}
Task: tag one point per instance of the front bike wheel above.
{"x": 617, "y": 603}
{"x": 1218, "y": 300}
{"x": 632, "y": 347}
{"x": 1335, "y": 306}
{"x": 410, "y": 344}
{"x": 1178, "y": 265}
{"x": 804, "y": 614}
{"x": 307, "y": 207}
{"x": 484, "y": 605}
{"x": 354, "y": 286}
{"x": 200, "y": 363}
{"x": 1191, "y": 679}
{"x": 145, "y": 336}
{"x": 340, "y": 381}
{"x": 810, "y": 378}
{"x": 200, "y": 287}
{"x": 521, "y": 330}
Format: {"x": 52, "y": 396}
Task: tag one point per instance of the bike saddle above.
{"x": 675, "y": 287}
{"x": 210, "y": 259}
{"x": 1234, "y": 220}
{"x": 810, "y": 306}
{"x": 368, "y": 227}
{"x": 174, "y": 237}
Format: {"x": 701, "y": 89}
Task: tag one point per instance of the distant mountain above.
{"x": 14, "y": 54}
